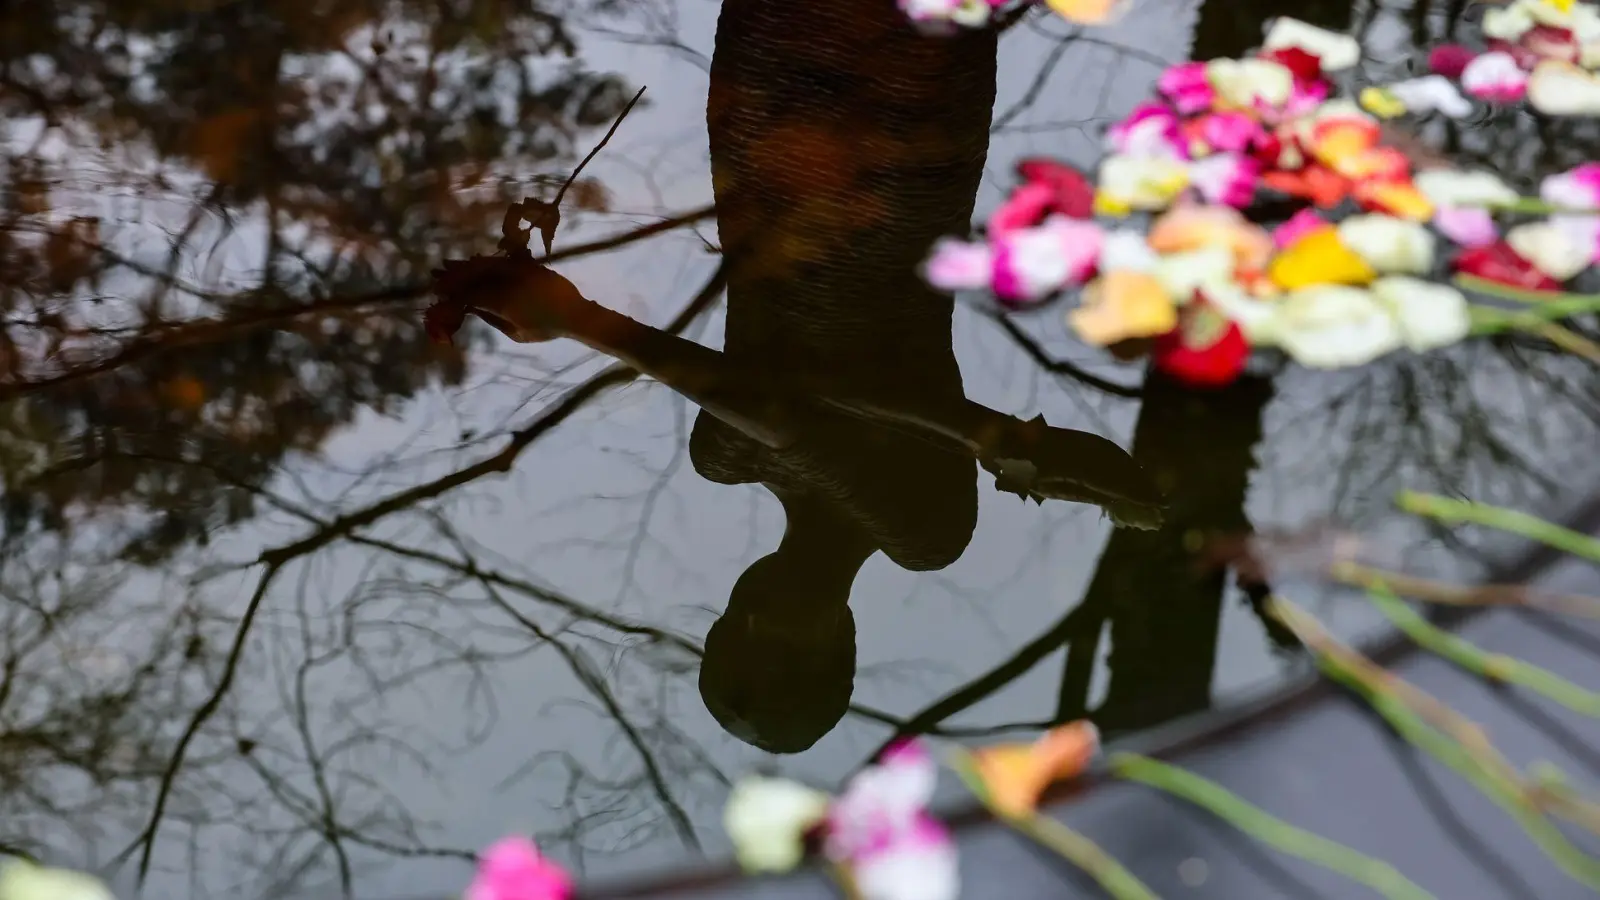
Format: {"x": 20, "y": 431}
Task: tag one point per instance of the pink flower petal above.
{"x": 1466, "y": 226}
{"x": 1549, "y": 42}
{"x": 915, "y": 862}
{"x": 1187, "y": 86}
{"x": 1225, "y": 178}
{"x": 512, "y": 869}
{"x": 1449, "y": 60}
{"x": 957, "y": 265}
{"x": 1579, "y": 187}
{"x": 1033, "y": 263}
{"x": 1298, "y": 226}
{"x": 1023, "y": 209}
{"x": 1230, "y": 131}
{"x": 1495, "y": 77}
{"x": 1150, "y": 130}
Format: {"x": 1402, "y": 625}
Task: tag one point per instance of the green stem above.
{"x": 1491, "y": 288}
{"x": 1071, "y": 845}
{"x": 1536, "y": 207}
{"x": 1493, "y": 666}
{"x": 1429, "y": 591}
{"x": 1270, "y": 830}
{"x": 1452, "y": 512}
{"x": 845, "y": 880}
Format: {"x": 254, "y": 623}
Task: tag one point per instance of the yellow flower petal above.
{"x": 1191, "y": 227}
{"x": 1382, "y": 103}
{"x": 1014, "y": 775}
{"x": 1319, "y": 258}
{"x": 1107, "y": 205}
{"x": 1120, "y": 305}
{"x": 1397, "y": 198}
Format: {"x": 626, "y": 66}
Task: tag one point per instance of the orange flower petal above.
{"x": 1120, "y": 305}
{"x": 1014, "y": 775}
{"x": 1397, "y": 198}
{"x": 1316, "y": 183}
{"x": 1191, "y": 227}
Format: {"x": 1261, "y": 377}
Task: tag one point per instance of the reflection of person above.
{"x": 843, "y": 144}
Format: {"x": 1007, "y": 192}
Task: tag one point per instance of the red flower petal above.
{"x": 1550, "y": 42}
{"x": 1214, "y": 366}
{"x": 1306, "y": 66}
{"x": 1498, "y": 262}
{"x": 1074, "y": 193}
{"x": 1525, "y": 58}
{"x": 1450, "y": 60}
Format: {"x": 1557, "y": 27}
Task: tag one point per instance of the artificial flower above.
{"x": 1335, "y": 51}
{"x": 1431, "y": 93}
{"x": 957, "y": 265}
{"x": 513, "y": 869}
{"x": 1499, "y": 263}
{"x": 1389, "y": 245}
{"x": 1319, "y": 257}
{"x": 1126, "y": 250}
{"x": 1250, "y": 84}
{"x": 1188, "y": 87}
{"x": 1033, "y": 263}
{"x": 1150, "y": 130}
{"x": 879, "y": 827}
{"x": 1205, "y": 350}
{"x": 1120, "y": 305}
{"x": 1014, "y": 775}
{"x": 767, "y": 820}
{"x": 1130, "y": 183}
{"x": 1496, "y": 77}
{"x": 1192, "y": 227}
{"x": 1563, "y": 89}
{"x": 1331, "y": 326}
{"x": 1551, "y": 249}
{"x": 23, "y": 880}
{"x": 1429, "y": 315}
{"x": 1577, "y": 188}
{"x": 1449, "y": 60}
{"x": 1225, "y": 178}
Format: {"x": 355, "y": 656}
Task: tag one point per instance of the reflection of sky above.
{"x": 608, "y": 511}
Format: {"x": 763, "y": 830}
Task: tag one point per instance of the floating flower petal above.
{"x": 1181, "y": 274}
{"x": 767, "y": 819}
{"x": 1120, "y": 305}
{"x": 1466, "y": 226}
{"x": 1296, "y": 227}
{"x": 1073, "y": 193}
{"x": 513, "y": 869}
{"x": 1450, "y": 187}
{"x": 1192, "y": 227}
{"x": 1562, "y": 89}
{"x": 1449, "y": 60}
{"x": 22, "y": 880}
{"x": 1206, "y": 350}
{"x": 1495, "y": 77}
{"x": 1388, "y": 244}
{"x": 1431, "y": 93}
{"x": 1320, "y": 257}
{"x": 1336, "y": 51}
{"x": 1397, "y": 198}
{"x": 1250, "y": 84}
{"x": 1382, "y": 103}
{"x": 1230, "y": 131}
{"x": 1333, "y": 326}
{"x": 1575, "y": 188}
{"x": 1498, "y": 262}
{"x": 1508, "y": 23}
{"x": 1429, "y": 315}
{"x": 1551, "y": 249}
{"x": 1014, "y": 775}
{"x": 1033, "y": 263}
{"x": 1139, "y": 183}
{"x": 1150, "y": 130}
{"x": 1188, "y": 87}
{"x": 1225, "y": 178}
{"x": 957, "y": 265}
{"x": 914, "y": 862}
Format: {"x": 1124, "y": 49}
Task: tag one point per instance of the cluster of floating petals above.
{"x": 1344, "y": 280}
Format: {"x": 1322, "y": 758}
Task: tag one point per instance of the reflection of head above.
{"x": 780, "y": 664}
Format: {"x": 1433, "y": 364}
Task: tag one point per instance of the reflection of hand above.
{"x": 522, "y": 299}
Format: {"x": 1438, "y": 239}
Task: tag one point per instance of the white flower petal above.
{"x": 1508, "y": 23}
{"x": 1127, "y": 250}
{"x": 1431, "y": 93}
{"x": 1249, "y": 82}
{"x": 1495, "y": 76}
{"x": 20, "y": 880}
{"x": 1336, "y": 51}
{"x": 914, "y": 866}
{"x": 1142, "y": 182}
{"x": 1429, "y": 314}
{"x": 1550, "y": 248}
{"x": 1448, "y": 187}
{"x": 1562, "y": 89}
{"x": 1333, "y": 326}
{"x": 1181, "y": 274}
{"x": 1389, "y": 244}
{"x": 766, "y": 818}
{"x": 1255, "y": 317}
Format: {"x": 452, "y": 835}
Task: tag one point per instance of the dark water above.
{"x": 297, "y": 602}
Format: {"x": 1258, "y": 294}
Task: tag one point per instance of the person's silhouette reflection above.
{"x": 842, "y": 145}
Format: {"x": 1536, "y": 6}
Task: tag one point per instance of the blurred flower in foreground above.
{"x": 1014, "y": 775}
{"x": 881, "y": 830}
{"x": 767, "y": 820}
{"x": 513, "y": 869}
{"x": 20, "y": 880}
